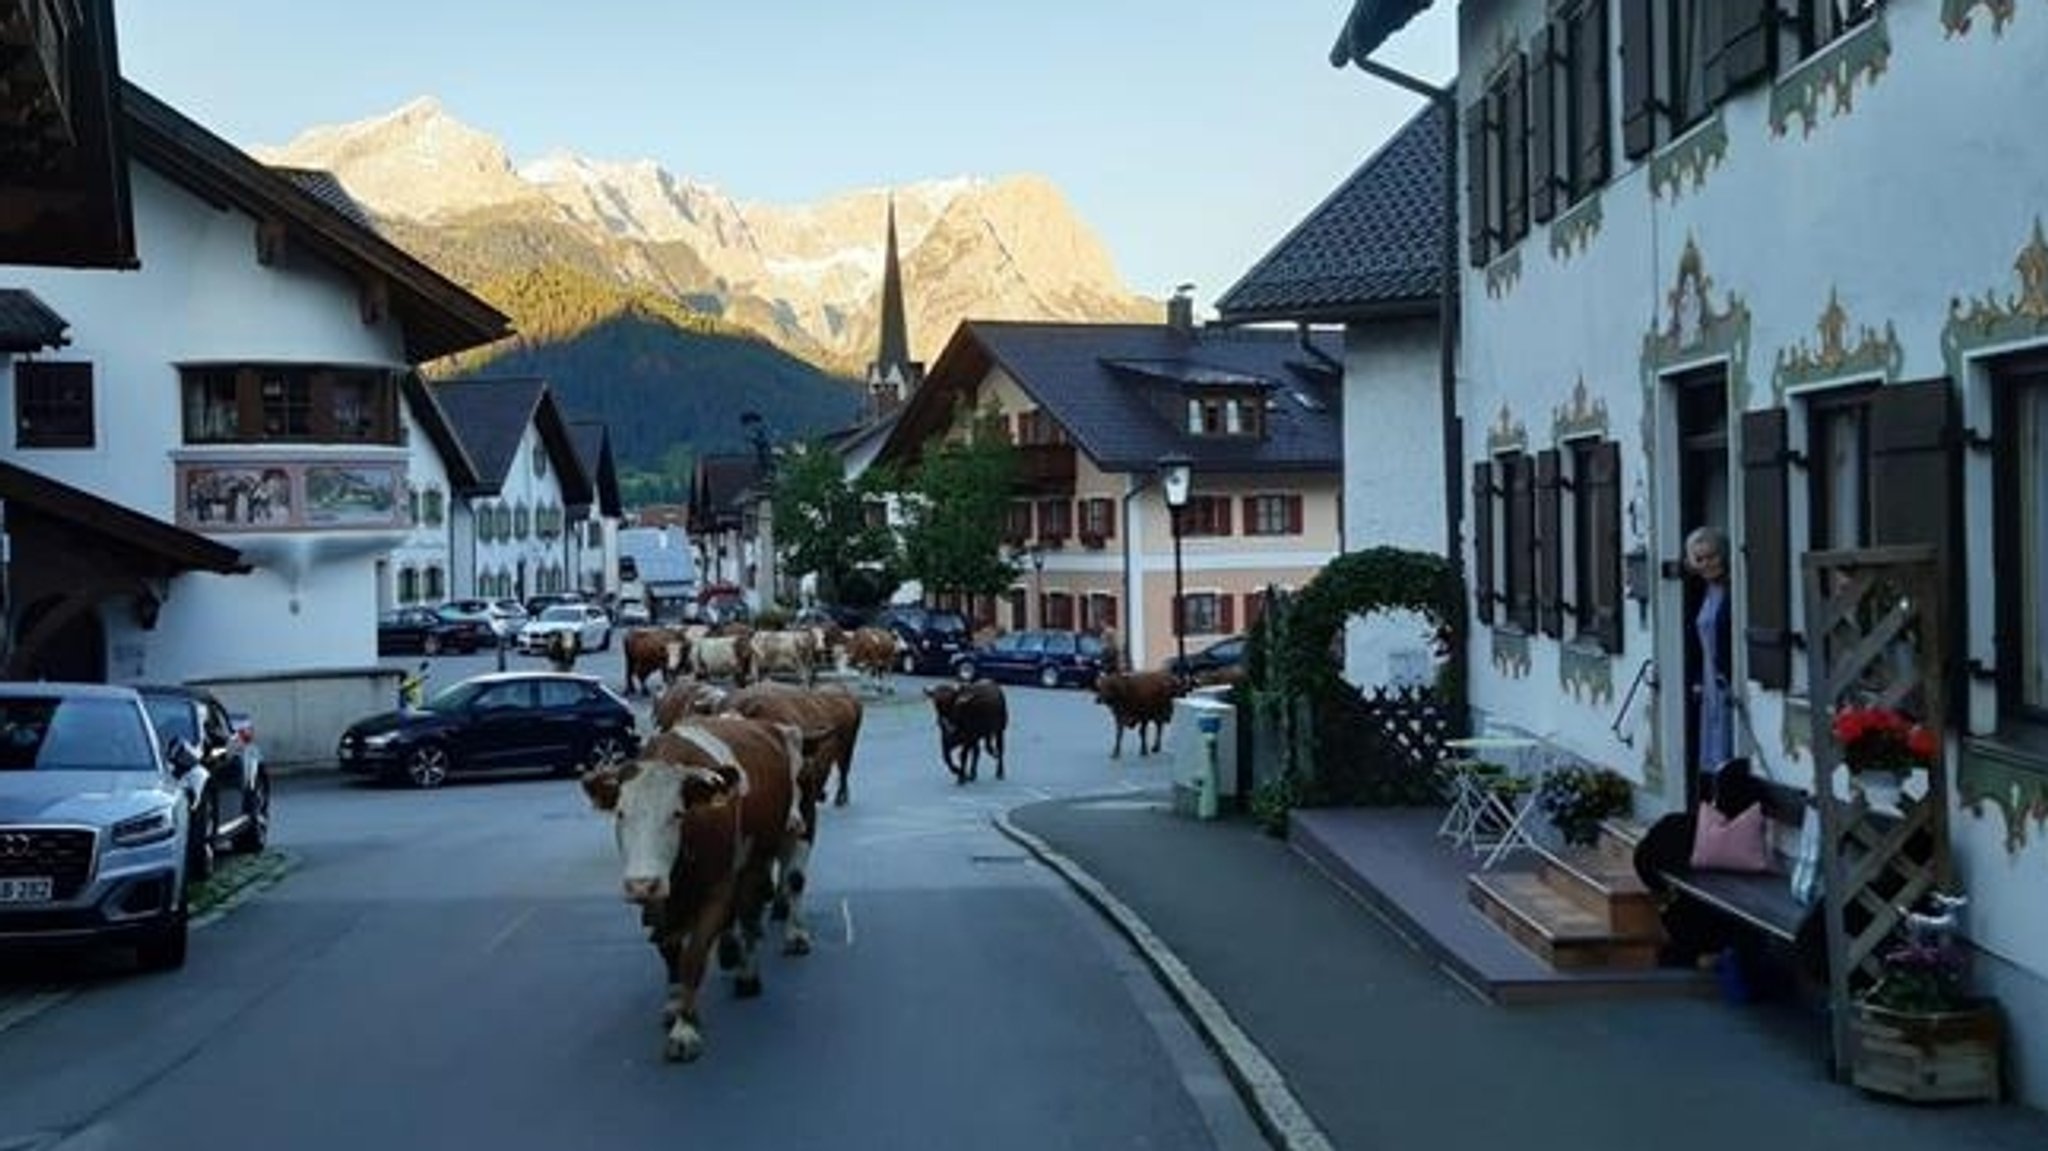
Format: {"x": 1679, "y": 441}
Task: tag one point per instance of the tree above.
{"x": 955, "y": 504}
{"x": 822, "y": 523}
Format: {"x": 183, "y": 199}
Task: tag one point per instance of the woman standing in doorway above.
{"x": 1706, "y": 556}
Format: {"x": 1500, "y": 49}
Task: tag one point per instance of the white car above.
{"x": 592, "y": 628}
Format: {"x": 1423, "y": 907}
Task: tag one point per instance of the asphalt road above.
{"x": 456, "y": 969}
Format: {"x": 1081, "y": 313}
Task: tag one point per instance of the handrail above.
{"x": 1645, "y": 673}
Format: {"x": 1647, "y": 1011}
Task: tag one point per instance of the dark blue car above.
{"x": 1046, "y": 658}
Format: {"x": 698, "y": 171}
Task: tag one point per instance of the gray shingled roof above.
{"x": 1369, "y": 24}
{"x": 491, "y": 416}
{"x": 1375, "y": 245}
{"x": 715, "y": 495}
{"x": 594, "y": 450}
{"x": 322, "y": 185}
{"x": 1117, "y": 389}
{"x": 27, "y": 324}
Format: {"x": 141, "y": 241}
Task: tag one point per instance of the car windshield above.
{"x": 453, "y": 698}
{"x": 58, "y": 734}
{"x": 172, "y": 717}
{"x": 561, "y": 613}
{"x": 947, "y": 623}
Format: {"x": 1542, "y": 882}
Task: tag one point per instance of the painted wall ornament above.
{"x": 1829, "y": 77}
{"x": 1834, "y": 357}
{"x": 1684, "y": 164}
{"x": 1583, "y": 415}
{"x": 1507, "y": 434}
{"x": 1573, "y": 230}
{"x": 1503, "y": 274}
{"x": 1956, "y": 15}
{"x": 1988, "y": 321}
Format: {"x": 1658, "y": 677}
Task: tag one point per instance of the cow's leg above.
{"x": 685, "y": 1039}
{"x": 1116, "y": 747}
{"x": 844, "y": 758}
{"x": 795, "y": 869}
{"x": 995, "y": 747}
{"x": 755, "y": 884}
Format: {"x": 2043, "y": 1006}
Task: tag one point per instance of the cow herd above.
{"x": 717, "y": 815}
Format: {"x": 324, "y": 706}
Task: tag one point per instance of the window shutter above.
{"x": 1747, "y": 44}
{"x": 1545, "y": 129}
{"x": 1251, "y": 515}
{"x": 1226, "y": 611}
{"x": 1521, "y": 487}
{"x": 1222, "y": 517}
{"x": 1109, "y": 611}
{"x": 1603, "y": 615}
{"x": 1108, "y": 519}
{"x": 1589, "y": 104}
{"x": 1912, "y": 469}
{"x": 1482, "y": 541}
{"x": 1766, "y": 543}
{"x": 1294, "y": 515}
{"x": 1475, "y": 184}
{"x": 1638, "y": 81}
{"x": 1549, "y": 545}
{"x": 1254, "y": 609}
{"x": 1713, "y": 58}
{"x": 1515, "y": 148}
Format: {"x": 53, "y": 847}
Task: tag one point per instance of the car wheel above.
{"x": 965, "y": 670}
{"x": 427, "y": 765}
{"x": 604, "y": 642}
{"x": 907, "y": 664}
{"x": 1048, "y": 676}
{"x": 431, "y": 645}
{"x": 605, "y": 751}
{"x": 255, "y": 834}
{"x": 199, "y": 842}
{"x": 163, "y": 949}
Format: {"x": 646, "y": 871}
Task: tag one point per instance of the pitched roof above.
{"x": 1368, "y": 26}
{"x": 1117, "y": 390}
{"x": 439, "y": 317}
{"x": 29, "y": 325}
{"x": 325, "y": 187}
{"x": 716, "y": 490}
{"x": 433, "y": 420}
{"x": 491, "y": 416}
{"x": 593, "y": 442}
{"x": 155, "y": 546}
{"x": 1373, "y": 247}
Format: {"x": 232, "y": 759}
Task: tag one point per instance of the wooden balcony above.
{"x": 1045, "y": 469}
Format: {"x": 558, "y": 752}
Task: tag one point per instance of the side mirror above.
{"x": 183, "y": 756}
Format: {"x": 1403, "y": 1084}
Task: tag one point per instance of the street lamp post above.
{"x": 1174, "y": 473}
{"x": 1037, "y": 555}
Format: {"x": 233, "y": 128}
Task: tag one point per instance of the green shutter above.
{"x": 1766, "y": 539}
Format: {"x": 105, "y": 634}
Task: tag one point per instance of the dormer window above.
{"x": 1226, "y": 416}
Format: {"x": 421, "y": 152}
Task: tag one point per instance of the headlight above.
{"x": 141, "y": 830}
{"x": 381, "y": 739}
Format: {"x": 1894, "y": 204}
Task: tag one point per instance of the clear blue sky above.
{"x": 1189, "y": 134}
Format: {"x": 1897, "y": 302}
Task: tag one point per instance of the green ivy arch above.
{"x": 1293, "y": 655}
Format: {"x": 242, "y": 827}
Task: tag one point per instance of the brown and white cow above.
{"x": 649, "y": 650}
{"x": 973, "y": 717}
{"x": 872, "y": 652}
{"x": 723, "y": 657}
{"x": 1137, "y": 699}
{"x": 701, "y": 815}
{"x": 794, "y": 651}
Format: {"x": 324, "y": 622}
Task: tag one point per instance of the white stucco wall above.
{"x": 428, "y": 544}
{"x": 201, "y": 295}
{"x": 1919, "y": 184}
{"x": 523, "y": 488}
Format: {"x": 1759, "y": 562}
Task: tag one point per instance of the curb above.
{"x": 1260, "y": 1084}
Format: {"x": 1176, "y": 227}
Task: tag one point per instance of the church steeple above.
{"x": 894, "y": 374}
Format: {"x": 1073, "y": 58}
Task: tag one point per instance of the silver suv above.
{"x": 93, "y": 823}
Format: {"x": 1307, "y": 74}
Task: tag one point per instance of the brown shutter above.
{"x": 1545, "y": 128}
{"x": 1109, "y": 519}
{"x": 1746, "y": 36}
{"x": 1482, "y": 541}
{"x": 1514, "y": 129}
{"x": 1912, "y": 469}
{"x": 1294, "y": 515}
{"x": 1766, "y": 543}
{"x": 1475, "y": 185}
{"x": 1222, "y": 507}
{"x": 1589, "y": 73}
{"x": 1549, "y": 545}
{"x": 1521, "y": 485}
{"x": 1602, "y": 617}
{"x": 1638, "y": 80}
{"x": 1109, "y": 611}
{"x": 1251, "y": 518}
{"x": 1254, "y": 608}
{"x": 1226, "y": 609}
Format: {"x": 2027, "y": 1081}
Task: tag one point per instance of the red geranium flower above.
{"x": 1880, "y": 738}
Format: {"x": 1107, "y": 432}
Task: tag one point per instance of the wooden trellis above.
{"x": 1874, "y": 622}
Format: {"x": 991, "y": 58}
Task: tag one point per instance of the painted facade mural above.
{"x": 265, "y": 496}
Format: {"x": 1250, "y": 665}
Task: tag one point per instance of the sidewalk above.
{"x": 1341, "y": 1034}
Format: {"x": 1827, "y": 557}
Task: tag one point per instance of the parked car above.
{"x": 406, "y": 630}
{"x": 494, "y": 722}
{"x": 93, "y": 823}
{"x": 592, "y": 628}
{"x": 1223, "y": 657}
{"x": 723, "y": 603}
{"x": 930, "y": 639}
{"x": 230, "y": 794}
{"x": 1046, "y": 658}
{"x": 632, "y": 613}
{"x": 492, "y": 619}
{"x": 536, "y": 604}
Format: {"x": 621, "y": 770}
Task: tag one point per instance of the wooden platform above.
{"x": 1516, "y": 934}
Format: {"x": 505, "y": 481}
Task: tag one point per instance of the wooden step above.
{"x": 1618, "y": 838}
{"x": 1553, "y": 927}
{"x": 1601, "y": 884}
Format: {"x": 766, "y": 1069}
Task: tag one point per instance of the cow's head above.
{"x": 648, "y": 799}
{"x": 1109, "y": 688}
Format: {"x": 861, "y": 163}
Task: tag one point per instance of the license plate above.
{"x": 36, "y": 890}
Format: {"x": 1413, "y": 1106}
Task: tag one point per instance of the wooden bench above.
{"x": 1762, "y": 900}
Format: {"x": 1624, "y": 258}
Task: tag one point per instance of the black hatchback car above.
{"x": 426, "y": 631}
{"x": 1046, "y": 658}
{"x": 496, "y": 722}
{"x": 929, "y": 639}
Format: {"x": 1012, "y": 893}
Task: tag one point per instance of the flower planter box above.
{"x": 1926, "y": 1058}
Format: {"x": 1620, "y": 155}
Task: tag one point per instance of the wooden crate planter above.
{"x": 1926, "y": 1058}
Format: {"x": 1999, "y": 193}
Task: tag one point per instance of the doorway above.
{"x": 1704, "y": 498}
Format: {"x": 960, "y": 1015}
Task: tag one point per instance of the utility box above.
{"x": 1190, "y": 746}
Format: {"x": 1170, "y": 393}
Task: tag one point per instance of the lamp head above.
{"x": 1175, "y": 471}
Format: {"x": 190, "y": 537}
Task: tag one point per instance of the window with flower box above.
{"x": 1055, "y": 520}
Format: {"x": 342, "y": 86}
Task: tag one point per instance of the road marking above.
{"x": 21, "y": 1011}
{"x": 846, "y": 917}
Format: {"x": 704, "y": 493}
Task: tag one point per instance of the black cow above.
{"x": 972, "y": 718}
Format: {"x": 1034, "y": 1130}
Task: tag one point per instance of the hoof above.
{"x": 728, "y": 953}
{"x": 684, "y": 1044}
{"x": 839, "y": 800}
{"x": 745, "y": 988}
{"x": 779, "y": 910}
{"x": 796, "y": 943}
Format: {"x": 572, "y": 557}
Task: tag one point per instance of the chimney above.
{"x": 1180, "y": 310}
